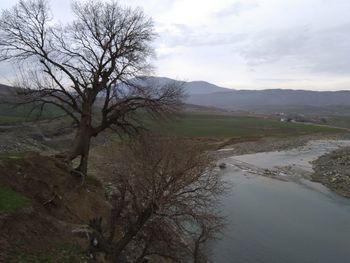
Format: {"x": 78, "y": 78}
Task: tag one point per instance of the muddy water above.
{"x": 286, "y": 218}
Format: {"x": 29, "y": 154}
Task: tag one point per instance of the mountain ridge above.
{"x": 267, "y": 100}
{"x": 206, "y": 94}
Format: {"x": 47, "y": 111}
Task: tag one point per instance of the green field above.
{"x": 224, "y": 126}
{"x": 194, "y": 124}
{"x": 10, "y": 114}
{"x": 11, "y": 201}
{"x": 339, "y": 121}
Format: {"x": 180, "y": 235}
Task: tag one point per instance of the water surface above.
{"x": 289, "y": 220}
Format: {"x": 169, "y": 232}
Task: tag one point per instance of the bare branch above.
{"x": 171, "y": 188}
{"x": 89, "y": 66}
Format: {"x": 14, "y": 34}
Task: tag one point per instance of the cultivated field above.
{"x": 226, "y": 126}
{"x": 11, "y": 114}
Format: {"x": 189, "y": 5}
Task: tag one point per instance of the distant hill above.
{"x": 270, "y": 100}
{"x": 5, "y": 90}
{"x": 260, "y": 101}
{"x": 191, "y": 87}
{"x": 202, "y": 87}
{"x": 266, "y": 101}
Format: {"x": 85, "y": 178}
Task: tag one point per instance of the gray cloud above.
{"x": 269, "y": 47}
{"x": 236, "y": 9}
{"x": 245, "y": 42}
{"x": 182, "y": 35}
{"x": 281, "y": 80}
{"x": 324, "y": 50}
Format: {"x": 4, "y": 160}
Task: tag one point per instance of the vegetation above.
{"x": 165, "y": 194}
{"x": 14, "y": 114}
{"x": 225, "y": 126}
{"x": 11, "y": 201}
{"x": 66, "y": 254}
{"x": 339, "y": 121}
{"x": 23, "y": 257}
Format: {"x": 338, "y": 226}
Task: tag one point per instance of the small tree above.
{"x": 164, "y": 198}
{"x": 87, "y": 67}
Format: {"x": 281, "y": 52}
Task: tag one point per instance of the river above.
{"x": 286, "y": 218}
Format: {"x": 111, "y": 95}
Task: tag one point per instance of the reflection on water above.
{"x": 282, "y": 221}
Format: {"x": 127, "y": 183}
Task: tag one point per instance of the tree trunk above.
{"x": 81, "y": 143}
{"x": 122, "y": 243}
{"x": 196, "y": 253}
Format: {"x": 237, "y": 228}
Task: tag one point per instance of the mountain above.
{"x": 264, "y": 101}
{"x": 5, "y": 90}
{"x": 257, "y": 100}
{"x": 202, "y": 87}
{"x": 191, "y": 87}
{"x": 260, "y": 101}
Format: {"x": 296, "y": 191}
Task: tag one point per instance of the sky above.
{"x": 245, "y": 44}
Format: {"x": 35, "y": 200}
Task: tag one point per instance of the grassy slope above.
{"x": 11, "y": 201}
{"x": 10, "y": 114}
{"x": 44, "y": 232}
{"x": 339, "y": 121}
{"x": 223, "y": 126}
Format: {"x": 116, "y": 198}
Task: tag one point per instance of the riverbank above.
{"x": 333, "y": 171}
{"x": 270, "y": 144}
{"x": 326, "y": 161}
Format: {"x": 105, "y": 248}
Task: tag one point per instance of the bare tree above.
{"x": 86, "y": 67}
{"x": 164, "y": 200}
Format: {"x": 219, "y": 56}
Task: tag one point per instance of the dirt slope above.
{"x": 43, "y": 231}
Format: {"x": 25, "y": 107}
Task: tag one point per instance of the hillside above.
{"x": 264, "y": 101}
{"x": 272, "y": 100}
{"x": 202, "y": 87}
{"x": 260, "y": 101}
{"x": 44, "y": 210}
{"x": 5, "y": 90}
{"x": 191, "y": 87}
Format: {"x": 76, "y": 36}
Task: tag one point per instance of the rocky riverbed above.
{"x": 326, "y": 161}
{"x": 269, "y": 144}
{"x": 333, "y": 170}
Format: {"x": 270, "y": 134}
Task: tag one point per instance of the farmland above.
{"x": 227, "y": 126}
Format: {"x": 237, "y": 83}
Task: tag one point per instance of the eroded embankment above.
{"x": 45, "y": 206}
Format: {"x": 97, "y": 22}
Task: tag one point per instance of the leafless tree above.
{"x": 164, "y": 200}
{"x": 87, "y": 67}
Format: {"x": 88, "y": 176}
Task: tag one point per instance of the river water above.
{"x": 284, "y": 219}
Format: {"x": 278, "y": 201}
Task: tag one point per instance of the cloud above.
{"x": 236, "y": 9}
{"x": 246, "y": 43}
{"x": 323, "y": 51}
{"x": 281, "y": 80}
{"x": 269, "y": 47}
{"x": 184, "y": 36}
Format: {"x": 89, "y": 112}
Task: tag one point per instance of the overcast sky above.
{"x": 246, "y": 44}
